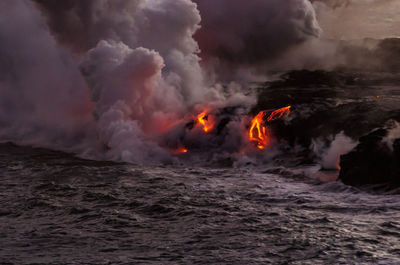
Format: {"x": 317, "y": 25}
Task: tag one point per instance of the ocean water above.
{"x": 58, "y": 209}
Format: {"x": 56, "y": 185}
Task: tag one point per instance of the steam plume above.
{"x": 43, "y": 97}
{"x": 253, "y": 31}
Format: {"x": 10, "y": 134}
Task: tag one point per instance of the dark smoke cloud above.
{"x": 82, "y": 24}
{"x": 254, "y": 31}
{"x": 233, "y": 33}
{"x": 231, "y": 29}
{"x": 43, "y": 96}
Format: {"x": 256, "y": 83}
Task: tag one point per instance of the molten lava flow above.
{"x": 205, "y": 120}
{"x": 279, "y": 113}
{"x": 258, "y": 131}
{"x": 260, "y": 136}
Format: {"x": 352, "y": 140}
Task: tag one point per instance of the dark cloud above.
{"x": 43, "y": 97}
{"x": 82, "y": 24}
{"x": 254, "y": 31}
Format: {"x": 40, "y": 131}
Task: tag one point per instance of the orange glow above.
{"x": 180, "y": 150}
{"x": 258, "y": 131}
{"x": 260, "y": 136}
{"x": 279, "y": 113}
{"x": 205, "y": 120}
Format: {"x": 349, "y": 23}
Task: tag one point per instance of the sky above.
{"x": 356, "y": 19}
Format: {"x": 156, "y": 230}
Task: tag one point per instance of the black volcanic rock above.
{"x": 388, "y": 52}
{"x": 325, "y": 104}
{"x": 317, "y": 78}
{"x": 372, "y": 162}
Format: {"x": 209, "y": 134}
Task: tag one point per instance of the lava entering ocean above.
{"x": 258, "y": 131}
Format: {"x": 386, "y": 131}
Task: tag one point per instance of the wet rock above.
{"x": 372, "y": 162}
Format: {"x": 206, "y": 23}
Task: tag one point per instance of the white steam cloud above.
{"x": 329, "y": 156}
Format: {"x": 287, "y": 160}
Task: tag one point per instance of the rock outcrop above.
{"x": 375, "y": 161}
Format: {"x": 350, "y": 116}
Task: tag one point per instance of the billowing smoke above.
{"x": 253, "y": 31}
{"x": 330, "y": 156}
{"x": 164, "y": 26}
{"x": 82, "y": 24}
{"x": 43, "y": 97}
{"x": 367, "y": 41}
{"x": 131, "y": 98}
{"x": 140, "y": 62}
{"x": 393, "y": 128}
{"x": 243, "y": 38}
{"x": 119, "y": 95}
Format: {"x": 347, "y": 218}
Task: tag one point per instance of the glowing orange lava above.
{"x": 205, "y": 120}
{"x": 180, "y": 150}
{"x": 258, "y": 131}
{"x": 260, "y": 136}
{"x": 279, "y": 113}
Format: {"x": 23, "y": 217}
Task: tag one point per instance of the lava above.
{"x": 279, "y": 113}
{"x": 260, "y": 137}
{"x": 180, "y": 150}
{"x": 205, "y": 120}
{"x": 258, "y": 131}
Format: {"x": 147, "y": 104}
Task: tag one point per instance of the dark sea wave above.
{"x": 58, "y": 209}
